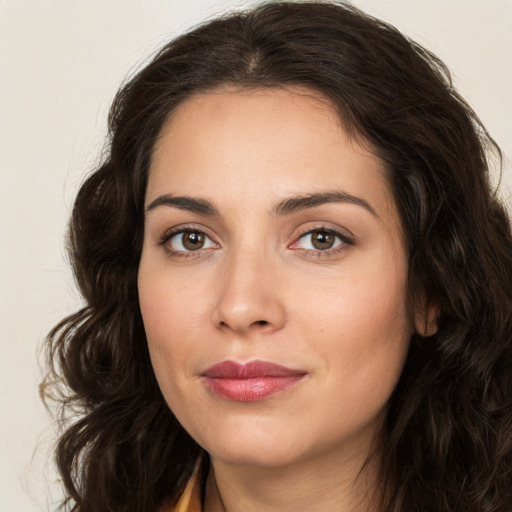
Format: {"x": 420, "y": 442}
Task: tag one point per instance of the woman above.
{"x": 297, "y": 280}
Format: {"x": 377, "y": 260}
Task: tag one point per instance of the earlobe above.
{"x": 426, "y": 321}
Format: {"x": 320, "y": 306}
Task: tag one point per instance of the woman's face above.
{"x": 272, "y": 238}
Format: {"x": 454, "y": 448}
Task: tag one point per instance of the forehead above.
{"x": 255, "y": 122}
{"x": 274, "y": 140}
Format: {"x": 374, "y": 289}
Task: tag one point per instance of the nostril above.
{"x": 260, "y": 322}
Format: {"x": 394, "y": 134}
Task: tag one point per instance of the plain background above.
{"x": 60, "y": 65}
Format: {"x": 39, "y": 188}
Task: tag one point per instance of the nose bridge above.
{"x": 247, "y": 297}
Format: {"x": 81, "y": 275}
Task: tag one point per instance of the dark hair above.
{"x": 448, "y": 438}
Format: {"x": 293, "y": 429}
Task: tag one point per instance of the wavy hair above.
{"x": 448, "y": 432}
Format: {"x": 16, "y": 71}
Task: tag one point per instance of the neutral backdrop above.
{"x": 60, "y": 65}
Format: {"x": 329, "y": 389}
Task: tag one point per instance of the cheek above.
{"x": 173, "y": 312}
{"x": 368, "y": 302}
{"x": 168, "y": 320}
{"x": 361, "y": 327}
{"x": 171, "y": 303}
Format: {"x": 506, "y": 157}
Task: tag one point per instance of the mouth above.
{"x": 250, "y": 382}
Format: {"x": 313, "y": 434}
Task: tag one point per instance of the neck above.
{"x": 347, "y": 484}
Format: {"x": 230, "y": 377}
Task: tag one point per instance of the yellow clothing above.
{"x": 190, "y": 500}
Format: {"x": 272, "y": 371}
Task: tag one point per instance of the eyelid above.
{"x": 184, "y": 228}
{"x": 347, "y": 239}
{"x": 180, "y": 228}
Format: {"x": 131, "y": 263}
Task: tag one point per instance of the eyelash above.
{"x": 180, "y": 231}
{"x": 346, "y": 242}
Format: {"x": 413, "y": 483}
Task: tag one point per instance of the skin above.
{"x": 260, "y": 289}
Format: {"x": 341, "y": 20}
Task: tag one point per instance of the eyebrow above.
{"x": 192, "y": 204}
{"x": 284, "y": 207}
{"x": 303, "y": 202}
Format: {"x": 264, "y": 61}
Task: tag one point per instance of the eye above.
{"x": 321, "y": 240}
{"x": 189, "y": 240}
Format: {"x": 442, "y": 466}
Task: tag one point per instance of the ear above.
{"x": 426, "y": 318}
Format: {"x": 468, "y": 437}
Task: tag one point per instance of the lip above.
{"x": 249, "y": 382}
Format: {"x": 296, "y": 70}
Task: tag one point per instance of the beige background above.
{"x": 60, "y": 65}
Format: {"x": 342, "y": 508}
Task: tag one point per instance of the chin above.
{"x": 254, "y": 456}
{"x": 254, "y": 447}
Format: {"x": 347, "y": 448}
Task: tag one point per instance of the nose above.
{"x": 249, "y": 295}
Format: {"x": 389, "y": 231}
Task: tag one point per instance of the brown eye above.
{"x": 192, "y": 240}
{"x": 188, "y": 241}
{"x": 322, "y": 240}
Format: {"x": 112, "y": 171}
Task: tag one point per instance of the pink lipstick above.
{"x": 249, "y": 382}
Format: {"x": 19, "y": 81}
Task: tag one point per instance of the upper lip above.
{"x": 252, "y": 369}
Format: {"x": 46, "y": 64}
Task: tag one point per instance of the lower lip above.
{"x": 252, "y": 389}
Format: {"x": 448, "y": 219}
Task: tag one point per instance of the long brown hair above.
{"x": 449, "y": 425}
